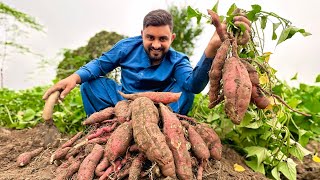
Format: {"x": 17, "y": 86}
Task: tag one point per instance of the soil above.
{"x": 15, "y": 142}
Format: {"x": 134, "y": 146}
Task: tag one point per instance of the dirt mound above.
{"x": 15, "y": 142}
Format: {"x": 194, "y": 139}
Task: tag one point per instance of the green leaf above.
{"x": 260, "y": 152}
{"x": 29, "y": 115}
{"x": 298, "y": 151}
{"x": 318, "y": 78}
{"x": 295, "y": 77}
{"x": 255, "y": 166}
{"x": 194, "y": 13}
{"x": 215, "y": 7}
{"x": 275, "y": 173}
{"x": 252, "y": 14}
{"x": 289, "y": 32}
{"x": 274, "y": 28}
{"x": 232, "y": 8}
{"x": 263, "y": 23}
{"x": 288, "y": 169}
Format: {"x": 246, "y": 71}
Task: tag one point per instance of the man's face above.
{"x": 156, "y": 42}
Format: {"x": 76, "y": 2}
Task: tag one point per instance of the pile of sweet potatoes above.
{"x": 137, "y": 138}
{"x": 233, "y": 79}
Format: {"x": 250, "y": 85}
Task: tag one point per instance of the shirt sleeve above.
{"x": 102, "y": 65}
{"x": 194, "y": 80}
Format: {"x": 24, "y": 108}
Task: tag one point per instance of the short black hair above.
{"x": 158, "y": 17}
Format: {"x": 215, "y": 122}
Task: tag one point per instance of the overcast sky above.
{"x": 71, "y": 23}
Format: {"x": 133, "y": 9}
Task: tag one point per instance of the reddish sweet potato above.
{"x": 149, "y": 138}
{"x": 215, "y": 20}
{"x": 157, "y": 97}
{"x": 104, "y": 163}
{"x": 258, "y": 98}
{"x": 173, "y": 131}
{"x": 122, "y": 111}
{"x": 215, "y": 73}
{"x": 89, "y": 164}
{"x": 70, "y": 142}
{"x": 237, "y": 89}
{"x": 60, "y": 153}
{"x": 119, "y": 141}
{"x": 25, "y": 158}
{"x": 212, "y": 140}
{"x": 67, "y": 172}
{"x": 97, "y": 117}
{"x": 198, "y": 146}
{"x": 253, "y": 74}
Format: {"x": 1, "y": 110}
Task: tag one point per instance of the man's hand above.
{"x": 65, "y": 86}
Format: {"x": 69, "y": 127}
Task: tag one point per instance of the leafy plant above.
{"x": 269, "y": 138}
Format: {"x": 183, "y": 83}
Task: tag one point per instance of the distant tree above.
{"x": 74, "y": 59}
{"x": 12, "y": 25}
{"x": 186, "y": 31}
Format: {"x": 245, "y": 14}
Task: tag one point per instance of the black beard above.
{"x": 155, "y": 58}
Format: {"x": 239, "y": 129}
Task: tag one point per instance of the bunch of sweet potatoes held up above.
{"x": 233, "y": 79}
{"x": 137, "y": 138}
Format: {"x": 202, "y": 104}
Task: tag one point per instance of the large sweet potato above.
{"x": 173, "y": 131}
{"x": 237, "y": 89}
{"x": 122, "y": 111}
{"x": 149, "y": 138}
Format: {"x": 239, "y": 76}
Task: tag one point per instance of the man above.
{"x": 148, "y": 63}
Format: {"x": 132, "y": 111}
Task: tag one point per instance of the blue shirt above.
{"x": 137, "y": 74}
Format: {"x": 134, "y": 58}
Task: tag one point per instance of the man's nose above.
{"x": 156, "y": 44}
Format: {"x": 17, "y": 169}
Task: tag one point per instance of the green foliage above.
{"x": 268, "y": 138}
{"x": 186, "y": 31}
{"x": 74, "y": 59}
{"x": 22, "y": 109}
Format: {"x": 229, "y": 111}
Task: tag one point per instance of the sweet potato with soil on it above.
{"x": 215, "y": 20}
{"x": 99, "y": 116}
{"x": 253, "y": 74}
{"x": 148, "y": 136}
{"x": 60, "y": 153}
{"x": 102, "y": 166}
{"x": 25, "y": 158}
{"x": 215, "y": 73}
{"x": 119, "y": 141}
{"x": 89, "y": 164}
{"x": 122, "y": 111}
{"x": 258, "y": 98}
{"x": 237, "y": 89}
{"x": 70, "y": 142}
{"x": 157, "y": 97}
{"x": 198, "y": 146}
{"x": 212, "y": 140}
{"x": 136, "y": 166}
{"x": 67, "y": 172}
{"x": 173, "y": 131}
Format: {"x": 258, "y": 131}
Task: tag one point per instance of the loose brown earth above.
{"x": 15, "y": 142}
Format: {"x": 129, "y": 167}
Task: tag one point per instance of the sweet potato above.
{"x": 110, "y": 170}
{"x": 67, "y": 172}
{"x": 49, "y": 105}
{"x": 212, "y": 140}
{"x": 60, "y": 153}
{"x": 258, "y": 98}
{"x": 119, "y": 141}
{"x": 136, "y": 166}
{"x": 157, "y": 97}
{"x": 70, "y": 142}
{"x": 215, "y": 73}
{"x": 98, "y": 117}
{"x": 253, "y": 74}
{"x": 89, "y": 164}
{"x": 25, "y": 158}
{"x": 148, "y": 136}
{"x": 101, "y": 131}
{"x": 237, "y": 89}
{"x": 122, "y": 111}
{"x": 198, "y": 146}
{"x": 173, "y": 131}
{"x": 104, "y": 163}
{"x": 215, "y": 20}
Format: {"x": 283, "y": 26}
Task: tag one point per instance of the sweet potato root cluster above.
{"x": 145, "y": 138}
{"x": 233, "y": 79}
